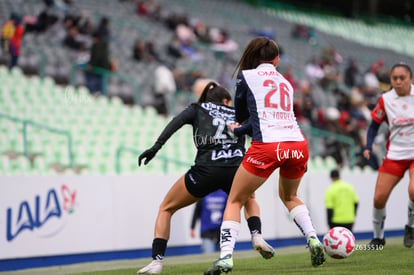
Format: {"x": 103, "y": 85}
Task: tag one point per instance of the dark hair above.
{"x": 335, "y": 174}
{"x": 403, "y": 65}
{"x": 214, "y": 93}
{"x": 259, "y": 50}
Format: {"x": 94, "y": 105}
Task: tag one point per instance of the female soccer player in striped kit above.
{"x": 219, "y": 154}
{"x": 396, "y": 108}
{"x": 265, "y": 98}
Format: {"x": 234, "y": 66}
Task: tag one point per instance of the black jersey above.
{"x": 216, "y": 144}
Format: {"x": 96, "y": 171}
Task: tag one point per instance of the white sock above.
{"x": 229, "y": 232}
{"x": 378, "y": 222}
{"x": 410, "y": 214}
{"x": 300, "y": 215}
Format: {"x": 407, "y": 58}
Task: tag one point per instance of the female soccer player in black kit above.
{"x": 219, "y": 153}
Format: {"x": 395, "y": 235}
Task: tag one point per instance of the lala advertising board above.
{"x": 52, "y": 216}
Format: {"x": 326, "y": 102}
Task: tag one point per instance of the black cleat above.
{"x": 408, "y": 236}
{"x": 377, "y": 244}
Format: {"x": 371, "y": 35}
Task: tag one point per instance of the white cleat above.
{"x": 261, "y": 246}
{"x": 155, "y": 267}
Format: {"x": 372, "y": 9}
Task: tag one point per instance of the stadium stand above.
{"x": 97, "y": 127}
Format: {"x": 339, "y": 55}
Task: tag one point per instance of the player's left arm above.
{"x": 185, "y": 117}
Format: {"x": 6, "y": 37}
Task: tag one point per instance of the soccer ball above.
{"x": 339, "y": 242}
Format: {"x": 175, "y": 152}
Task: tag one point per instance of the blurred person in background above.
{"x": 7, "y": 31}
{"x": 164, "y": 87}
{"x": 98, "y": 62}
{"x": 209, "y": 210}
{"x": 16, "y": 41}
{"x": 341, "y": 202}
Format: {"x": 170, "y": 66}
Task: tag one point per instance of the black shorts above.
{"x": 203, "y": 180}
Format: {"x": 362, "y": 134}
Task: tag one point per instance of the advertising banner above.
{"x": 61, "y": 215}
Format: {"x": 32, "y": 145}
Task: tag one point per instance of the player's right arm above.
{"x": 378, "y": 115}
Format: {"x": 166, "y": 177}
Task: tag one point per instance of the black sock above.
{"x": 158, "y": 248}
{"x": 255, "y": 225}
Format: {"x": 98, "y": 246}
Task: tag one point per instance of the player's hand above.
{"x": 147, "y": 155}
{"x": 192, "y": 233}
{"x": 367, "y": 153}
{"x": 232, "y": 126}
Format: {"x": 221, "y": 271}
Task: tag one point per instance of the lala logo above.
{"x": 44, "y": 214}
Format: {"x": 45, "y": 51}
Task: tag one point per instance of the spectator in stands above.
{"x": 104, "y": 30}
{"x": 186, "y": 37}
{"x": 163, "y": 87}
{"x": 202, "y": 31}
{"x": 188, "y": 51}
{"x": 331, "y": 76}
{"x": 174, "y": 48}
{"x": 351, "y": 73}
{"x": 332, "y": 147}
{"x": 309, "y": 110}
{"x": 209, "y": 210}
{"x": 331, "y": 56}
{"x": 186, "y": 80}
{"x": 85, "y": 24}
{"x": 149, "y": 8}
{"x": 341, "y": 202}
{"x": 138, "y": 52}
{"x": 99, "y": 64}
{"x": 7, "y": 32}
{"x": 343, "y": 103}
{"x": 185, "y": 33}
{"x": 16, "y": 41}
{"x": 383, "y": 74}
{"x": 370, "y": 78}
{"x": 142, "y": 8}
{"x": 314, "y": 70}
{"x": 173, "y": 20}
{"x": 65, "y": 6}
{"x": 152, "y": 52}
{"x": 288, "y": 74}
{"x": 224, "y": 44}
{"x": 45, "y": 19}
{"x": 303, "y": 32}
{"x": 73, "y": 39}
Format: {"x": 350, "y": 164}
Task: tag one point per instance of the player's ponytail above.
{"x": 214, "y": 93}
{"x": 259, "y": 50}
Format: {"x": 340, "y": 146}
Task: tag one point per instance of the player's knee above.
{"x": 379, "y": 201}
